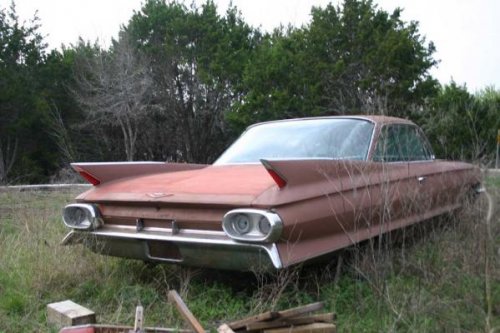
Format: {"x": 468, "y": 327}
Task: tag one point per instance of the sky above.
{"x": 466, "y": 33}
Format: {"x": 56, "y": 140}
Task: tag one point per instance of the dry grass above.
{"x": 443, "y": 276}
{"x": 442, "y": 280}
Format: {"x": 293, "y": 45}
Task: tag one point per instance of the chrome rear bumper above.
{"x": 211, "y": 249}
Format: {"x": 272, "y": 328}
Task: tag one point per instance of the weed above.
{"x": 439, "y": 276}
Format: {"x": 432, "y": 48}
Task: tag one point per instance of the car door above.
{"x": 390, "y": 198}
{"x": 430, "y": 185}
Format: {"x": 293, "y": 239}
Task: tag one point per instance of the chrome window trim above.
{"x": 311, "y": 118}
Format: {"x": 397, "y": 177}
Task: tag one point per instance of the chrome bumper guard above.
{"x": 211, "y": 249}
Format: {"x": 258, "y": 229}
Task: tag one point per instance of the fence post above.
{"x": 497, "y": 161}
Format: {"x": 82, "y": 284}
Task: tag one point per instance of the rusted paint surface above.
{"x": 217, "y": 185}
{"x": 325, "y": 205}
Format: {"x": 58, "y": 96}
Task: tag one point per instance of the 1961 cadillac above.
{"x": 285, "y": 192}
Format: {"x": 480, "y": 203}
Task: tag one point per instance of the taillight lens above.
{"x": 241, "y": 224}
{"x": 91, "y": 179}
{"x": 278, "y": 179}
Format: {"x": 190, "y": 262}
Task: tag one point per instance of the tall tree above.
{"x": 23, "y": 109}
{"x": 350, "y": 59}
{"x": 462, "y": 125}
{"x": 197, "y": 60}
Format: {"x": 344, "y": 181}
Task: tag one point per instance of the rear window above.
{"x": 325, "y": 138}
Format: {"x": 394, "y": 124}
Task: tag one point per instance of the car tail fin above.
{"x": 88, "y": 176}
{"x": 287, "y": 173}
{"x": 275, "y": 174}
{"x": 98, "y": 173}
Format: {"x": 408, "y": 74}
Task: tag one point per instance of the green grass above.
{"x": 493, "y": 181}
{"x": 434, "y": 282}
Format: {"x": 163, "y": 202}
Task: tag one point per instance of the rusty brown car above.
{"x": 284, "y": 193}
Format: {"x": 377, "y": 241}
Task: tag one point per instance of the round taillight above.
{"x": 241, "y": 223}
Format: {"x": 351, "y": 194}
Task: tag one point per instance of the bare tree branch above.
{"x": 115, "y": 87}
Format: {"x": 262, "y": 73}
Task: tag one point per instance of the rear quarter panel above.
{"x": 345, "y": 202}
{"x": 341, "y": 206}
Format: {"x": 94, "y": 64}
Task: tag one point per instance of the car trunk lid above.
{"x": 216, "y": 185}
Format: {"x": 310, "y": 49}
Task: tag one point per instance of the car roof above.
{"x": 371, "y": 118}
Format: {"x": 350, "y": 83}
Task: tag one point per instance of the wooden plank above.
{"x": 68, "y": 313}
{"x": 224, "y": 328}
{"x": 311, "y": 328}
{"x": 318, "y": 318}
{"x": 120, "y": 329}
{"x": 262, "y": 325}
{"x": 188, "y": 316}
{"x": 235, "y": 325}
{"x": 300, "y": 310}
{"x": 139, "y": 319}
{"x": 285, "y": 322}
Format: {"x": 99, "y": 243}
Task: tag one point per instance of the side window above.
{"x": 389, "y": 145}
{"x": 417, "y": 149}
{"x": 398, "y": 143}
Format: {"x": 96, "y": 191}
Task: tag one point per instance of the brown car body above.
{"x": 170, "y": 212}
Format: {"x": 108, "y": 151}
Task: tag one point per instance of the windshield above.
{"x": 335, "y": 138}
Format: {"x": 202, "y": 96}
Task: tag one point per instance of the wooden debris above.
{"x": 94, "y": 328}
{"x": 319, "y": 318}
{"x": 68, "y": 313}
{"x": 139, "y": 319}
{"x": 174, "y": 298}
{"x": 284, "y": 322}
{"x": 235, "y": 325}
{"x": 294, "y": 320}
{"x": 137, "y": 328}
{"x": 224, "y": 328}
{"x": 294, "y": 312}
{"x": 311, "y": 328}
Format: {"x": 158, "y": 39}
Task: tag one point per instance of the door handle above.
{"x": 421, "y": 180}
